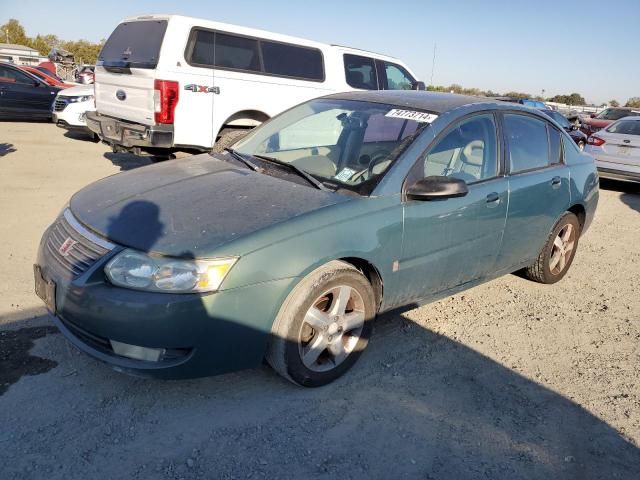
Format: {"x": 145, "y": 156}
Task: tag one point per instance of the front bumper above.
{"x": 199, "y": 334}
{"x": 128, "y": 134}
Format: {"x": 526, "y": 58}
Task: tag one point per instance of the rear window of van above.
{"x": 134, "y": 44}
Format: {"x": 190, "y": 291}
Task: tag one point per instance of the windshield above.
{"x": 135, "y": 44}
{"x": 343, "y": 143}
{"x": 558, "y": 117}
{"x": 625, "y": 127}
{"x": 613, "y": 114}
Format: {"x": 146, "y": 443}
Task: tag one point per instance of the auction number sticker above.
{"x": 411, "y": 115}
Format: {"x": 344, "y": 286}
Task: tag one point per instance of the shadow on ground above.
{"x": 630, "y": 192}
{"x": 6, "y": 149}
{"x": 417, "y": 405}
{"x": 128, "y": 161}
{"x": 80, "y": 135}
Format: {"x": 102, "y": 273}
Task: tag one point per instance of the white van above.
{"x": 174, "y": 82}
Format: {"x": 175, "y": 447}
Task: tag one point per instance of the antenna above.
{"x": 433, "y": 62}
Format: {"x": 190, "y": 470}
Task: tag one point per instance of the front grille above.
{"x": 79, "y": 253}
{"x": 60, "y": 104}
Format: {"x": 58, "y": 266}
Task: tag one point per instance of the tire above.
{"x": 228, "y": 137}
{"x": 336, "y": 342}
{"x": 551, "y": 265}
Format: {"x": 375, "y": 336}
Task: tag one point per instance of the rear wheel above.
{"x": 323, "y": 326}
{"x": 558, "y": 252}
{"x": 228, "y": 137}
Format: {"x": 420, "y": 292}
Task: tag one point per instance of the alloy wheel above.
{"x": 562, "y": 249}
{"x": 331, "y": 328}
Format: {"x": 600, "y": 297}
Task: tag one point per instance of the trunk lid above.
{"x": 125, "y": 71}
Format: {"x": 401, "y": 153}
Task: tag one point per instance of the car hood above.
{"x": 190, "y": 207}
{"x": 77, "y": 91}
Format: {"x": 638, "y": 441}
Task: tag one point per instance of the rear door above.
{"x": 538, "y": 187}
{"x": 125, "y": 71}
{"x": 621, "y": 143}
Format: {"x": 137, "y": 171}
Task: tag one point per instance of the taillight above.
{"x": 165, "y": 98}
{"x": 596, "y": 141}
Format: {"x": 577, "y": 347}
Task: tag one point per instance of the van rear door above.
{"x": 125, "y": 71}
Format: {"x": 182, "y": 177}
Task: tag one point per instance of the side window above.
{"x": 555, "y": 145}
{"x": 227, "y": 51}
{"x": 528, "y": 144}
{"x": 360, "y": 72}
{"x": 397, "y": 77}
{"x": 292, "y": 61}
{"x": 468, "y": 151}
{"x": 9, "y": 75}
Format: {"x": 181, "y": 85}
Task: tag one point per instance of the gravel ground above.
{"x": 509, "y": 380}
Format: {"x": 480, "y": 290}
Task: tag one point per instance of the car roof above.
{"x": 435, "y": 102}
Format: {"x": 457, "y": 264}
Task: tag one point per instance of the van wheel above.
{"x": 558, "y": 252}
{"x": 323, "y": 326}
{"x": 228, "y": 137}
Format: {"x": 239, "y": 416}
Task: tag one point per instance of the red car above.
{"x": 606, "y": 117}
{"x": 49, "y": 79}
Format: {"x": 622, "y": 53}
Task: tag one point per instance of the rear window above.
{"x": 292, "y": 61}
{"x": 134, "y": 44}
{"x": 625, "y": 127}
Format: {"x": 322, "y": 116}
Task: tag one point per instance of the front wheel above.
{"x": 228, "y": 137}
{"x": 323, "y": 326}
{"x": 558, "y": 252}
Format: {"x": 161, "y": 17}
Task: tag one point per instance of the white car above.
{"x": 616, "y": 150}
{"x": 71, "y": 106}
{"x": 174, "y": 82}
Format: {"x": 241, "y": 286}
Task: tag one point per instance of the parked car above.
{"x": 289, "y": 245}
{"x": 616, "y": 150}
{"x": 71, "y": 106}
{"x": 45, "y": 77}
{"x": 596, "y": 122}
{"x": 579, "y": 137}
{"x": 172, "y": 82}
{"x": 24, "y": 96}
{"x": 85, "y": 74}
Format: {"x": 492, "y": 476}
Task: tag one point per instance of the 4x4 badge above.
{"x": 202, "y": 89}
{"x": 66, "y": 247}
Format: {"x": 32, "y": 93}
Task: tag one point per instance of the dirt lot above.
{"x": 509, "y": 380}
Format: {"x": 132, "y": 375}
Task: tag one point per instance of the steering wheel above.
{"x": 377, "y": 158}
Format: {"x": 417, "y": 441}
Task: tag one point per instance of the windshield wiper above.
{"x": 307, "y": 176}
{"x": 241, "y": 158}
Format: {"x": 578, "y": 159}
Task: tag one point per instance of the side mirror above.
{"x": 437, "y": 188}
{"x": 418, "y": 86}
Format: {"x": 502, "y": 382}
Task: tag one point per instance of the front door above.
{"x": 451, "y": 242}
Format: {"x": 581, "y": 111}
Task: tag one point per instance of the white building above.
{"x": 20, "y": 55}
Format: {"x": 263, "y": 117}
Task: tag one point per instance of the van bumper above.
{"x": 128, "y": 134}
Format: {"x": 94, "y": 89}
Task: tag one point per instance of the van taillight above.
{"x": 593, "y": 140}
{"x": 165, "y": 97}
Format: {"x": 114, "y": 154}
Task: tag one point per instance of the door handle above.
{"x": 556, "y": 182}
{"x": 493, "y": 199}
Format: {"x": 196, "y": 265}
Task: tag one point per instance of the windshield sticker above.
{"x": 411, "y": 115}
{"x": 345, "y": 174}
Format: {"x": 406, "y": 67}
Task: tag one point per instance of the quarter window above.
{"x": 468, "y": 151}
{"x": 397, "y": 77}
{"x": 555, "y": 145}
{"x": 360, "y": 72}
{"x": 528, "y": 143}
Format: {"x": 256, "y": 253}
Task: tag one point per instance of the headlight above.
{"x": 139, "y": 271}
{"x": 84, "y": 98}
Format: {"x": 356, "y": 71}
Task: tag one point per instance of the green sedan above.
{"x": 288, "y": 245}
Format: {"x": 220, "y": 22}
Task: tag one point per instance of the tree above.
{"x": 633, "y": 102}
{"x": 614, "y": 103}
{"x": 13, "y": 32}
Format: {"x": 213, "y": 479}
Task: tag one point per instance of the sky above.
{"x": 561, "y": 46}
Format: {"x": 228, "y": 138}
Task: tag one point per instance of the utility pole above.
{"x": 433, "y": 63}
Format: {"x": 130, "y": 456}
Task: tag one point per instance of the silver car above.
{"x": 616, "y": 150}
